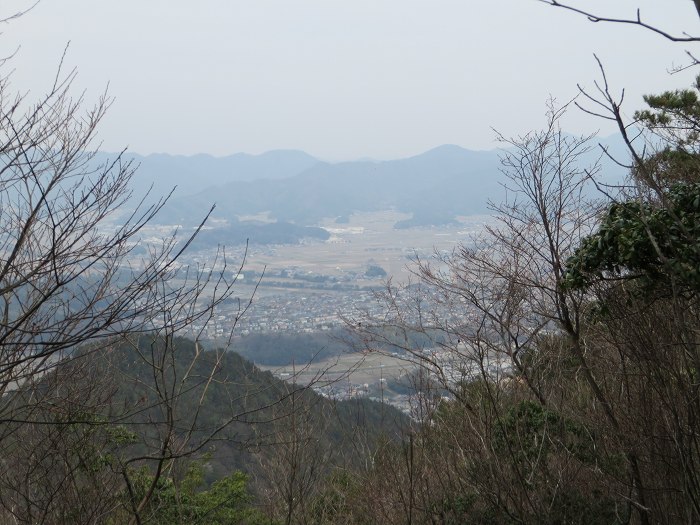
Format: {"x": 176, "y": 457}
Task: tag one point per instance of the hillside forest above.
{"x": 557, "y": 355}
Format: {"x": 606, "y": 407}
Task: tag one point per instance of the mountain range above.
{"x": 294, "y": 187}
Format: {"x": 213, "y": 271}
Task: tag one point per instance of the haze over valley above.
{"x": 349, "y": 263}
{"x": 318, "y": 240}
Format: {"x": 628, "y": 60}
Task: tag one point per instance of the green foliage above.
{"x": 530, "y": 432}
{"x": 226, "y": 502}
{"x": 674, "y": 113}
{"x": 654, "y": 243}
{"x": 653, "y": 238}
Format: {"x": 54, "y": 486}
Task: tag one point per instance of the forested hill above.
{"x": 224, "y": 410}
{"x": 240, "y": 232}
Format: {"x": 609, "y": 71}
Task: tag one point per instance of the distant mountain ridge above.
{"x": 434, "y": 186}
{"x": 294, "y": 187}
{"x": 191, "y": 174}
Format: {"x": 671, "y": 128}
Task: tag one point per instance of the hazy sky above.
{"x": 340, "y": 79}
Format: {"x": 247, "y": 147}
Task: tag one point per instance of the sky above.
{"x": 339, "y": 79}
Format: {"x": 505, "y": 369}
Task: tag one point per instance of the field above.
{"x": 352, "y": 368}
{"x": 367, "y": 238}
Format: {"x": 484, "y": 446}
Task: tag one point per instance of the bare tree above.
{"x": 79, "y": 288}
{"x": 566, "y": 335}
{"x": 534, "y": 364}
{"x": 297, "y": 457}
{"x": 492, "y": 298}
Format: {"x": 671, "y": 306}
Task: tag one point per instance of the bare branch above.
{"x": 636, "y": 21}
